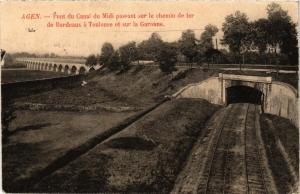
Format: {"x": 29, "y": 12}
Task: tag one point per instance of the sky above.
{"x": 82, "y": 41}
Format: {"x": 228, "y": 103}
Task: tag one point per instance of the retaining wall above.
{"x": 209, "y": 89}
{"x": 282, "y": 100}
{"x": 26, "y": 88}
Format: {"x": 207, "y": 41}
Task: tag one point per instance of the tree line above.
{"x": 271, "y": 40}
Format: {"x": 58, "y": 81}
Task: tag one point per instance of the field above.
{"x": 8, "y": 76}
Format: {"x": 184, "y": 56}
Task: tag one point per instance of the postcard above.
{"x": 136, "y": 96}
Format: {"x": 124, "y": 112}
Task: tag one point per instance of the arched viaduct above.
{"x": 64, "y": 67}
{"x": 275, "y": 97}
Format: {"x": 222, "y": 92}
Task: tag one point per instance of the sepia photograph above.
{"x": 149, "y": 96}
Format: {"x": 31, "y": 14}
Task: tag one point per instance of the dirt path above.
{"x": 227, "y": 158}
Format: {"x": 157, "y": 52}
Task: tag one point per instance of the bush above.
{"x": 91, "y": 60}
{"x": 167, "y": 57}
{"x": 114, "y": 62}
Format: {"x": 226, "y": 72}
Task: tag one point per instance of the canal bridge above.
{"x": 64, "y": 66}
{"x": 275, "y": 97}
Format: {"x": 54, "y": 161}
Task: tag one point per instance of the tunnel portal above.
{"x": 243, "y": 94}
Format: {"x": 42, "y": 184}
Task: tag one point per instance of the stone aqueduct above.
{"x": 277, "y": 98}
{"x": 64, "y": 67}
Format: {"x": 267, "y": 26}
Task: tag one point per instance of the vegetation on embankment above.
{"x": 139, "y": 86}
{"x": 144, "y": 157}
{"x": 281, "y": 140}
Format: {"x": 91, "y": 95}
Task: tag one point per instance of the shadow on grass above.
{"x": 135, "y": 143}
{"x": 29, "y": 128}
{"x": 282, "y": 177}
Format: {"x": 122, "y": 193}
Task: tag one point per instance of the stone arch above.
{"x": 42, "y": 66}
{"x": 244, "y": 94}
{"x": 60, "y": 68}
{"x": 46, "y": 67}
{"x": 91, "y": 69}
{"x": 67, "y": 69}
{"x": 82, "y": 70}
{"x": 55, "y": 67}
{"x": 255, "y": 85}
{"x": 239, "y": 88}
{"x": 73, "y": 70}
{"x": 50, "y": 67}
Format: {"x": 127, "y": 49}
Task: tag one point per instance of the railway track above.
{"x": 215, "y": 178}
{"x": 255, "y": 178}
{"x": 231, "y": 171}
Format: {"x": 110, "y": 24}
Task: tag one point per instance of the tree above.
{"x": 282, "y": 32}
{"x": 114, "y": 62}
{"x": 147, "y": 49}
{"x": 187, "y": 45}
{"x": 260, "y": 34}
{"x": 206, "y": 38}
{"x": 236, "y": 30}
{"x": 107, "y": 51}
{"x": 91, "y": 60}
{"x": 128, "y": 53}
{"x": 167, "y": 57}
{"x": 206, "y": 42}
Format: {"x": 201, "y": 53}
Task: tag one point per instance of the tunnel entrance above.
{"x": 243, "y": 94}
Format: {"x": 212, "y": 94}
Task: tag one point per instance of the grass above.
{"x": 289, "y": 137}
{"x": 8, "y": 76}
{"x": 166, "y": 136}
{"x": 138, "y": 87}
{"x": 38, "y": 138}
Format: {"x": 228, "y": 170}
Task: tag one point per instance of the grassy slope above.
{"x": 289, "y": 136}
{"x": 145, "y": 157}
{"x": 140, "y": 86}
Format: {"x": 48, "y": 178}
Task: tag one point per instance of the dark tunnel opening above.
{"x": 243, "y": 94}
